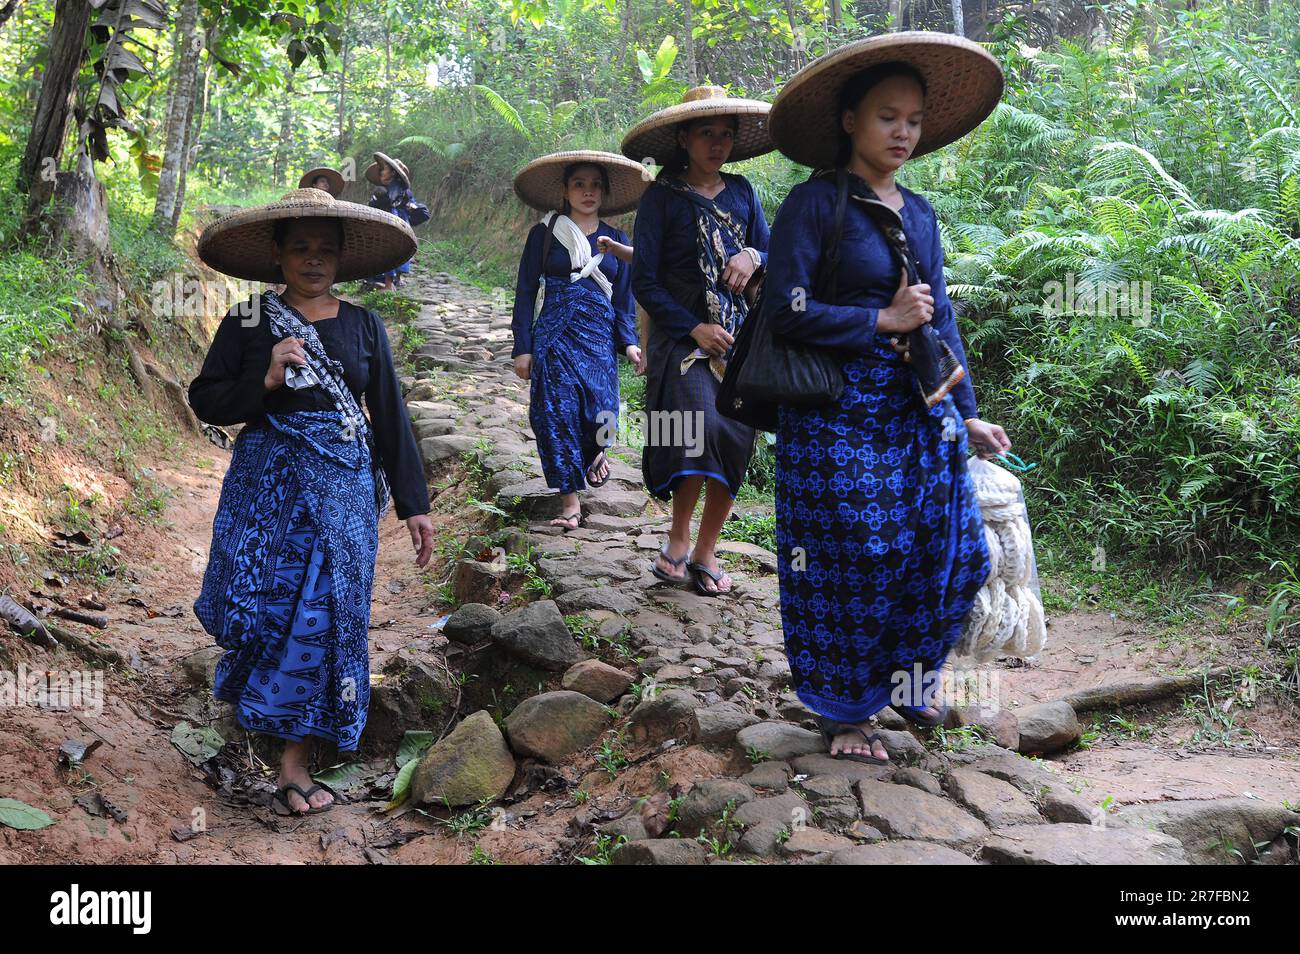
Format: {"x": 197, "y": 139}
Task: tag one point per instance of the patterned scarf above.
{"x": 718, "y": 236}
{"x": 323, "y": 371}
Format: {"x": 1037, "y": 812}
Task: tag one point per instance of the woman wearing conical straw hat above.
{"x": 324, "y": 178}
{"x": 700, "y": 238}
{"x": 392, "y": 195}
{"x": 880, "y": 542}
{"x": 574, "y": 315}
{"x": 287, "y": 588}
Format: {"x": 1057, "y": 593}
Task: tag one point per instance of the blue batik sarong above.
{"x": 287, "y": 588}
{"x": 880, "y": 541}
{"x": 573, "y": 403}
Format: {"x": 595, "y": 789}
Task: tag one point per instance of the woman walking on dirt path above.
{"x": 700, "y": 240}
{"x": 395, "y": 197}
{"x": 288, "y": 584}
{"x": 574, "y": 315}
{"x": 881, "y": 545}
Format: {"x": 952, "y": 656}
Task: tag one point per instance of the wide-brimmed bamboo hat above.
{"x": 333, "y": 176}
{"x": 541, "y": 184}
{"x": 655, "y": 137}
{"x": 399, "y": 167}
{"x": 964, "y": 83}
{"x": 240, "y": 244}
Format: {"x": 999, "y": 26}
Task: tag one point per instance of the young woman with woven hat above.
{"x": 287, "y": 588}
{"x": 393, "y": 195}
{"x": 574, "y": 315}
{"x": 324, "y": 178}
{"x": 700, "y": 239}
{"x": 880, "y": 542}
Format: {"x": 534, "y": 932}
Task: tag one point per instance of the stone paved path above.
{"x": 665, "y": 677}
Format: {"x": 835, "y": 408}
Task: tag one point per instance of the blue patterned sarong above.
{"x": 880, "y": 541}
{"x": 574, "y": 381}
{"x": 287, "y": 588}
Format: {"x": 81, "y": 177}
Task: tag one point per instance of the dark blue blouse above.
{"x": 557, "y": 264}
{"x": 229, "y": 389}
{"x": 665, "y": 242}
{"x": 868, "y": 275}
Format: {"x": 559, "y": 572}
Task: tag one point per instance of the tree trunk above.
{"x": 896, "y": 12}
{"x": 7, "y": 11}
{"x": 193, "y": 127}
{"x": 45, "y": 141}
{"x": 688, "y": 28}
{"x": 344, "y": 57}
{"x": 388, "y": 75}
{"x": 286, "y": 129}
{"x": 189, "y": 43}
{"x": 958, "y": 20}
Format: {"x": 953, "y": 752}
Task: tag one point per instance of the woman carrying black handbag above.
{"x": 880, "y": 542}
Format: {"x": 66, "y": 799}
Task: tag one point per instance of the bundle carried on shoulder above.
{"x": 1007, "y": 618}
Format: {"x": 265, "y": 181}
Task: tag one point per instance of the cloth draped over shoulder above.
{"x": 582, "y": 262}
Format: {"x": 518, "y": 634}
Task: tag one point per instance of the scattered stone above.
{"x": 597, "y": 598}
{"x": 471, "y": 624}
{"x": 810, "y": 842}
{"x": 553, "y": 725}
{"x": 779, "y": 740}
{"x": 823, "y": 764}
{"x": 596, "y": 679}
{"x": 789, "y": 810}
{"x": 1048, "y": 727}
{"x": 718, "y": 724}
{"x": 200, "y": 667}
{"x": 630, "y": 827}
{"x": 917, "y": 778}
{"x": 996, "y": 803}
{"x": 774, "y": 776}
{"x": 660, "y": 851}
{"x": 821, "y": 787}
{"x": 901, "y": 811}
{"x": 537, "y": 634}
{"x": 1211, "y": 829}
{"x": 861, "y": 831}
{"x": 1001, "y": 725}
{"x": 706, "y": 801}
{"x": 764, "y": 838}
{"x": 669, "y": 715}
{"x": 900, "y": 853}
{"x": 1081, "y": 845}
{"x": 471, "y": 765}
{"x": 414, "y": 693}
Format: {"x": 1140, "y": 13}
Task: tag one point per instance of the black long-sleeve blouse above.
{"x": 230, "y": 390}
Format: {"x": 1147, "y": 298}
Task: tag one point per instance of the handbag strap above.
{"x": 548, "y": 241}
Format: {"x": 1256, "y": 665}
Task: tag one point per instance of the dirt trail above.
{"x": 1161, "y": 756}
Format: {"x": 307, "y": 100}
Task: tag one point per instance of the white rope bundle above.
{"x": 1007, "y": 618}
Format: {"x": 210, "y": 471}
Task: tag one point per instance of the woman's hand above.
{"x": 712, "y": 339}
{"x": 912, "y": 307}
{"x": 987, "y": 440}
{"x": 421, "y": 528}
{"x": 634, "y": 355}
{"x": 736, "y": 275}
{"x": 288, "y": 351}
{"x": 524, "y": 365}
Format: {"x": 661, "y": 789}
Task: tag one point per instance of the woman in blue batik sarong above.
{"x": 574, "y": 315}
{"x": 880, "y": 541}
{"x": 700, "y": 243}
{"x": 287, "y": 587}
{"x": 392, "y": 195}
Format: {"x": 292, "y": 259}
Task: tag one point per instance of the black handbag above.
{"x": 765, "y": 370}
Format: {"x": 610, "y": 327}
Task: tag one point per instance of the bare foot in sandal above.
{"x": 853, "y": 742}
{"x": 293, "y": 771}
{"x": 710, "y": 577}
{"x": 671, "y": 567}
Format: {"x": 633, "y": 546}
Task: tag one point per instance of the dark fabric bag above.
{"x": 765, "y": 371}
{"x": 418, "y": 212}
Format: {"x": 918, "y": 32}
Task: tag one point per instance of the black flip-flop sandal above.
{"x": 913, "y": 715}
{"x": 281, "y": 798}
{"x": 830, "y": 728}
{"x": 668, "y": 577}
{"x": 593, "y": 484}
{"x": 700, "y": 571}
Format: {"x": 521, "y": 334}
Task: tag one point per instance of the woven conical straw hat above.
{"x": 240, "y": 244}
{"x": 655, "y": 137}
{"x": 540, "y": 184}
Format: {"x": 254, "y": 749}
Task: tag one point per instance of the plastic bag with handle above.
{"x": 1007, "y": 618}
